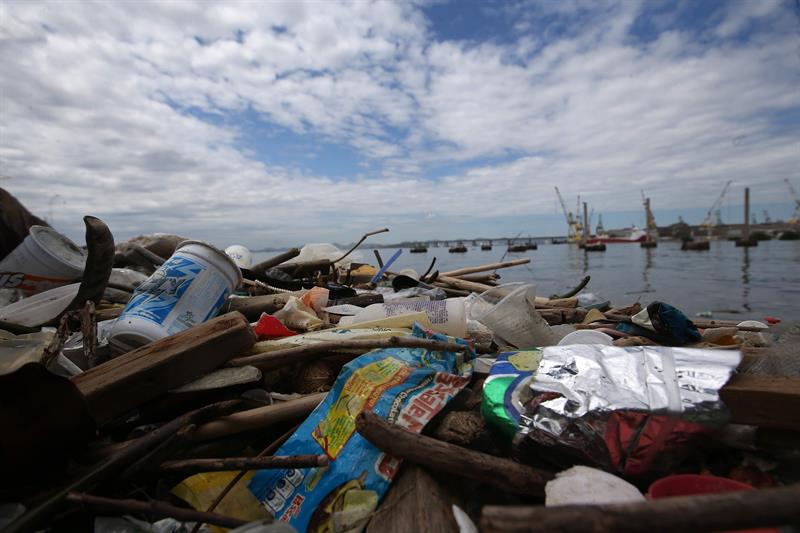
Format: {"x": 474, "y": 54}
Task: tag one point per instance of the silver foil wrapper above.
{"x": 609, "y": 404}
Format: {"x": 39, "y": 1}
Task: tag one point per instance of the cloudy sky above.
{"x": 271, "y": 123}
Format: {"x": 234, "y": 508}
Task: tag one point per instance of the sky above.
{"x": 272, "y": 124}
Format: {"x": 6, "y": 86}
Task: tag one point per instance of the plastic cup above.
{"x": 44, "y": 260}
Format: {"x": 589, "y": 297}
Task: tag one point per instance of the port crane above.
{"x": 573, "y": 225}
{"x": 650, "y": 221}
{"x": 709, "y": 221}
{"x": 795, "y": 218}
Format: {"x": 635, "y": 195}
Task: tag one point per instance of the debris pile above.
{"x": 164, "y": 385}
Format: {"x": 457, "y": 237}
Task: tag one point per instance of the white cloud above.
{"x": 102, "y": 106}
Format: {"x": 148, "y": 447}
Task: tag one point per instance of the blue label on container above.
{"x": 157, "y": 298}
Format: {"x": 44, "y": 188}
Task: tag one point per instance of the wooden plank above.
{"x": 415, "y": 502}
{"x": 766, "y": 401}
{"x": 129, "y": 380}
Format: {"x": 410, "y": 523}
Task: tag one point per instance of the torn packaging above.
{"x": 407, "y": 387}
{"x": 629, "y": 410}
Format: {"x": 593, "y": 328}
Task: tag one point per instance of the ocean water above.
{"x": 731, "y": 283}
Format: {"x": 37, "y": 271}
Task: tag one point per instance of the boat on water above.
{"x": 486, "y": 247}
{"x": 634, "y": 234}
{"x": 418, "y": 249}
{"x": 458, "y": 249}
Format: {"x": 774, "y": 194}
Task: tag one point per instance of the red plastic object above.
{"x": 693, "y": 484}
{"x": 269, "y": 327}
{"x": 771, "y": 320}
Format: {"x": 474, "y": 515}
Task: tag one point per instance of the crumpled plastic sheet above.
{"x": 626, "y": 408}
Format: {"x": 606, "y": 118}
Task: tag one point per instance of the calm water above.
{"x": 734, "y": 283}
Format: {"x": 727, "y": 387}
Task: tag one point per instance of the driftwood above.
{"x": 485, "y": 268}
{"x": 487, "y": 279}
{"x": 252, "y": 306}
{"x": 464, "y": 285}
{"x": 153, "y": 509}
{"x": 708, "y": 512}
{"x": 54, "y": 347}
{"x": 471, "y": 286}
{"x": 557, "y": 303}
{"x": 89, "y": 332}
{"x": 437, "y": 455}
{"x": 575, "y": 290}
{"x": 39, "y": 515}
{"x": 300, "y": 354}
{"x": 362, "y": 300}
{"x": 258, "y": 418}
{"x": 142, "y": 374}
{"x": 555, "y": 317}
{"x": 100, "y": 244}
{"x": 193, "y": 466}
{"x": 363, "y": 238}
{"x": 272, "y": 262}
{"x": 415, "y": 502}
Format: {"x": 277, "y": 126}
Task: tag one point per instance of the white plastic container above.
{"x": 188, "y": 289}
{"x": 446, "y": 316}
{"x": 44, "y": 260}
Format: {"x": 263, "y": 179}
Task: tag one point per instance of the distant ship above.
{"x": 634, "y": 234}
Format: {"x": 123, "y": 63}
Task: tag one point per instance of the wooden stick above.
{"x": 363, "y": 238}
{"x": 485, "y": 268}
{"x": 299, "y": 354}
{"x": 471, "y": 286}
{"x": 266, "y": 264}
{"x": 54, "y": 347}
{"x": 153, "y": 508}
{"x": 232, "y": 483}
{"x": 464, "y": 284}
{"x": 258, "y": 418}
{"x": 38, "y": 516}
{"x": 194, "y": 466}
{"x": 708, "y": 512}
{"x": 252, "y": 306}
{"x": 432, "y": 453}
{"x": 89, "y": 333}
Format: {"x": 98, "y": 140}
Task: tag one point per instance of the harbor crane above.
{"x": 795, "y": 218}
{"x": 573, "y": 225}
{"x": 709, "y": 221}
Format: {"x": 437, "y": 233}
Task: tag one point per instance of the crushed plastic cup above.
{"x": 514, "y": 318}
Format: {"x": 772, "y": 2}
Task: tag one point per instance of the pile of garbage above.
{"x": 162, "y": 384}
